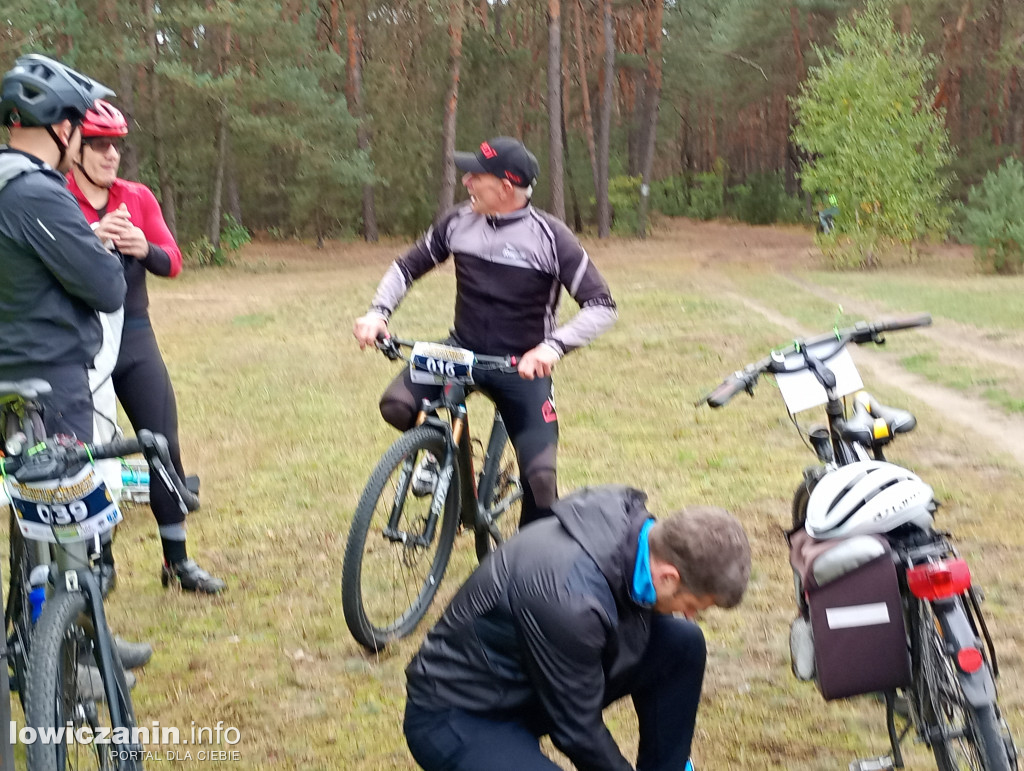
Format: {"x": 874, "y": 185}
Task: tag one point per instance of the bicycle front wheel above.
{"x": 65, "y": 689}
{"x": 17, "y": 614}
{"x": 400, "y": 541}
{"x": 962, "y": 736}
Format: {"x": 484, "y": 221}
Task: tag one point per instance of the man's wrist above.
{"x": 555, "y": 346}
{"x": 379, "y": 312}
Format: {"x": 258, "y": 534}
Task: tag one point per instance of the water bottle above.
{"x": 37, "y": 592}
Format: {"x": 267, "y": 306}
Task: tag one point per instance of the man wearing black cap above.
{"x": 511, "y": 263}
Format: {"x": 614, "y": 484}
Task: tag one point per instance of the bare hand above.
{"x": 133, "y": 243}
{"x": 369, "y": 328}
{"x": 538, "y": 362}
{"x": 114, "y": 225}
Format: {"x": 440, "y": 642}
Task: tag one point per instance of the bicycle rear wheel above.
{"x": 501, "y": 494}
{"x": 963, "y": 737}
{"x": 62, "y": 692}
{"x": 399, "y": 543}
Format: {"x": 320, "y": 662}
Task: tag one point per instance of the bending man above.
{"x": 573, "y": 613}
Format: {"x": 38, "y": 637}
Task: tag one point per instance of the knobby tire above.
{"x": 18, "y": 612}
{"x": 381, "y": 599}
{"x": 63, "y": 640}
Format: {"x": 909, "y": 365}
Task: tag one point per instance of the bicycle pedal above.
{"x": 873, "y": 764}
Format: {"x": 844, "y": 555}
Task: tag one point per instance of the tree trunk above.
{"x": 950, "y": 75}
{"x": 233, "y": 201}
{"x": 577, "y": 215}
{"x": 166, "y": 180}
{"x": 555, "y": 108}
{"x": 653, "y": 101}
{"x": 994, "y": 85}
{"x": 218, "y": 177}
{"x": 126, "y": 103}
{"x": 451, "y": 103}
{"x": 798, "y": 53}
{"x": 588, "y": 121}
{"x": 604, "y": 211}
{"x": 355, "y": 105}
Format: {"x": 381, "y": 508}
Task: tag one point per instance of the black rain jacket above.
{"x": 544, "y": 632}
{"x": 54, "y": 272}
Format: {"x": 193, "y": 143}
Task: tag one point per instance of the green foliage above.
{"x": 671, "y": 196}
{"x": 707, "y": 197}
{"x": 994, "y": 218}
{"x": 759, "y": 200}
{"x": 201, "y": 253}
{"x": 233, "y": 236}
{"x": 792, "y": 210}
{"x": 624, "y": 197}
{"x": 863, "y": 116}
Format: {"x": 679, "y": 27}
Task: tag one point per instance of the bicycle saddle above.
{"x": 30, "y": 388}
{"x": 873, "y": 424}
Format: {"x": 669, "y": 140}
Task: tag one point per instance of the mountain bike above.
{"x": 401, "y": 536}
{"x": 885, "y": 602}
{"x": 66, "y": 667}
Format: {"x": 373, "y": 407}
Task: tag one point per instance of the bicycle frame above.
{"x": 70, "y": 564}
{"x": 475, "y": 498}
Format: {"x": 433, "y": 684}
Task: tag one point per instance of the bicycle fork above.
{"x": 82, "y": 580}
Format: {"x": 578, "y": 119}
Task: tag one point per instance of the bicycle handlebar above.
{"x": 729, "y": 387}
{"x": 860, "y": 333}
{"x": 59, "y": 458}
{"x": 391, "y": 347}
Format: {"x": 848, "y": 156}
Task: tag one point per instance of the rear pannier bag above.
{"x": 853, "y": 595}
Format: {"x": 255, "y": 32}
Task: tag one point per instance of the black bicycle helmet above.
{"x": 39, "y": 91}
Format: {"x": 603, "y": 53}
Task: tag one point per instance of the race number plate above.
{"x": 801, "y": 389}
{"x": 73, "y": 509}
{"x": 435, "y": 364}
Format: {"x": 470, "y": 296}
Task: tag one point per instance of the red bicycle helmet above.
{"x": 104, "y": 120}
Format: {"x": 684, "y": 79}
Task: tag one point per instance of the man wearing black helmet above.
{"x": 511, "y": 263}
{"x": 56, "y": 273}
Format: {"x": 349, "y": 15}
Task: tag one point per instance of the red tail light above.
{"x": 969, "y": 659}
{"x": 936, "y": 580}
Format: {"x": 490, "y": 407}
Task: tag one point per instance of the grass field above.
{"x": 278, "y": 413}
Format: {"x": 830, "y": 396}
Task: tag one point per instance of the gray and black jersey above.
{"x": 510, "y": 270}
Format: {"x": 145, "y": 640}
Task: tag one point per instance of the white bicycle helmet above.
{"x": 868, "y": 497}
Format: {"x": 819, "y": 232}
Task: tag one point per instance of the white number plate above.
{"x": 74, "y": 509}
{"x": 435, "y": 364}
{"x": 801, "y": 389}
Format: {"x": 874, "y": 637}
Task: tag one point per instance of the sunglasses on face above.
{"x": 103, "y": 144}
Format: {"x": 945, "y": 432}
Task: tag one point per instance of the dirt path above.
{"x": 946, "y": 333}
{"x": 1002, "y": 432}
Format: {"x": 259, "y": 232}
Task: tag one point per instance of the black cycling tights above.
{"x": 144, "y": 389}
{"x": 528, "y": 409}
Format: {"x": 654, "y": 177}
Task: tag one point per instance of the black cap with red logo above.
{"x": 505, "y": 158}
